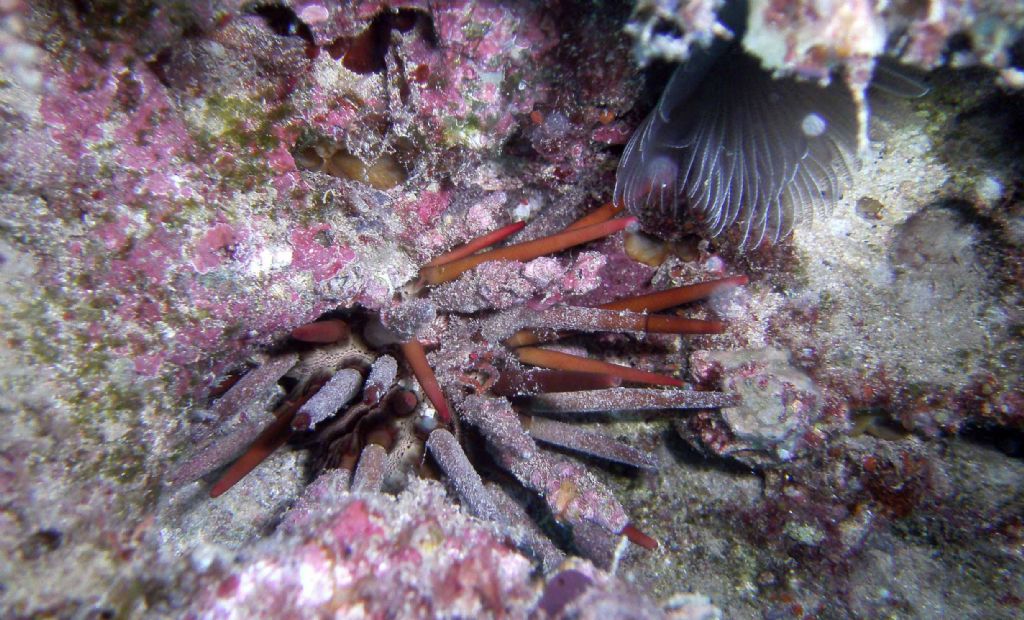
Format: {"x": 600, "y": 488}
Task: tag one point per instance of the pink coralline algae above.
{"x": 196, "y": 194}
{"x": 315, "y": 251}
{"x": 812, "y": 37}
{"x": 180, "y": 158}
{"x": 503, "y": 285}
{"x": 415, "y": 556}
{"x": 214, "y": 247}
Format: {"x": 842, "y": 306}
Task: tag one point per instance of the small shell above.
{"x": 646, "y": 249}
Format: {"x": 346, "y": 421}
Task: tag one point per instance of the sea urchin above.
{"x": 347, "y": 395}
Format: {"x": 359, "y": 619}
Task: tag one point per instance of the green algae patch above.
{"x": 94, "y": 387}
{"x": 237, "y": 134}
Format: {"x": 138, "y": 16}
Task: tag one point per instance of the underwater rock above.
{"x": 813, "y": 37}
{"x": 162, "y": 226}
{"x": 414, "y": 555}
{"x": 778, "y": 403}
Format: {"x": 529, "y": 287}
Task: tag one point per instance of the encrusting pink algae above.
{"x": 356, "y": 270}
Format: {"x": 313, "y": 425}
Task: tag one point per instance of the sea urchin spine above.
{"x": 477, "y": 244}
{"x": 570, "y": 386}
{"x": 556, "y": 360}
{"x": 527, "y": 250}
{"x": 416, "y": 356}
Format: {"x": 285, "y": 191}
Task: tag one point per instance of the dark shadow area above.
{"x": 283, "y": 21}
{"x": 980, "y": 127}
{"x": 686, "y": 454}
{"x": 1009, "y": 441}
{"x": 366, "y": 52}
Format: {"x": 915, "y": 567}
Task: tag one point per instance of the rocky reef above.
{"x": 184, "y": 184}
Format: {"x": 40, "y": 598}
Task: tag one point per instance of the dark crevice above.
{"x": 1017, "y": 53}
{"x": 1009, "y": 441}
{"x": 158, "y": 66}
{"x": 365, "y": 53}
{"x": 283, "y": 21}
{"x": 686, "y": 454}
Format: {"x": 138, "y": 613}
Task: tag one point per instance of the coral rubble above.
{"x": 812, "y": 37}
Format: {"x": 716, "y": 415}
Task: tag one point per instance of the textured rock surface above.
{"x": 814, "y": 36}
{"x": 416, "y": 556}
{"x": 778, "y": 405}
{"x": 162, "y": 221}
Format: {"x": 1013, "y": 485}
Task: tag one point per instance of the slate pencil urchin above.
{"x": 495, "y": 372}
